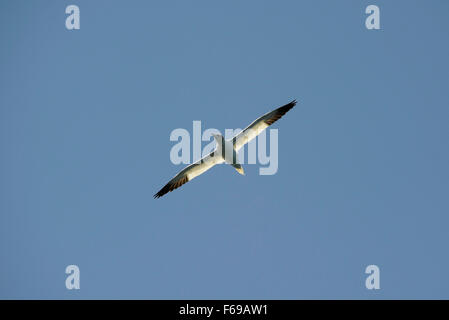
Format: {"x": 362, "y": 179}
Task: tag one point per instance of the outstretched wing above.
{"x": 190, "y": 172}
{"x": 260, "y": 124}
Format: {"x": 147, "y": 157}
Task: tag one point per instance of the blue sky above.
{"x": 85, "y": 120}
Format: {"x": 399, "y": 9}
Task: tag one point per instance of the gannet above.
{"x": 225, "y": 150}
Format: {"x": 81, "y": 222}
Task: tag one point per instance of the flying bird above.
{"x": 226, "y": 150}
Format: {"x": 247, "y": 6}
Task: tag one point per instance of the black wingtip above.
{"x": 284, "y": 109}
{"x": 170, "y": 186}
{"x": 161, "y": 192}
{"x": 291, "y": 104}
{"x": 287, "y": 107}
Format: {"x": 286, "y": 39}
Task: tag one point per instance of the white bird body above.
{"x": 226, "y": 150}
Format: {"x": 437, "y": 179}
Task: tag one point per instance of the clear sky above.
{"x": 85, "y": 120}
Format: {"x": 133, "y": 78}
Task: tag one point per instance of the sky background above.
{"x": 85, "y": 121}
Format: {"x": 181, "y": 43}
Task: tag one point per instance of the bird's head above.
{"x": 218, "y": 138}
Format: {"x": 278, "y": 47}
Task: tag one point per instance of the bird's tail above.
{"x": 239, "y": 168}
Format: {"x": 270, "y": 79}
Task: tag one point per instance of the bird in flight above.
{"x": 226, "y": 150}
